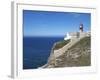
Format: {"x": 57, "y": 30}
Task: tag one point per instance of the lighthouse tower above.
{"x": 81, "y": 27}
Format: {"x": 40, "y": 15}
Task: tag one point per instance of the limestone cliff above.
{"x": 73, "y": 54}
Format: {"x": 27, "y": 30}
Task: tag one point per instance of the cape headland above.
{"x": 73, "y": 51}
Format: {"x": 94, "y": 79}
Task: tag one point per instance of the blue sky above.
{"x": 47, "y": 23}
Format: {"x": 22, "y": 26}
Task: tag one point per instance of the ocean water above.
{"x": 36, "y": 50}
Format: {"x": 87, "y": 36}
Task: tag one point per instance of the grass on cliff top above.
{"x": 82, "y": 60}
{"x": 84, "y": 42}
{"x": 60, "y": 44}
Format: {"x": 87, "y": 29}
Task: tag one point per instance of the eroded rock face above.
{"x": 74, "y": 57}
{"x": 78, "y": 55}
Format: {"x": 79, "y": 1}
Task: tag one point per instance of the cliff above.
{"x": 70, "y": 54}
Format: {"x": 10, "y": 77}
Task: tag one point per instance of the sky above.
{"x": 47, "y": 23}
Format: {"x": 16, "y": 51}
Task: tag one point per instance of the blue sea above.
{"x": 36, "y": 50}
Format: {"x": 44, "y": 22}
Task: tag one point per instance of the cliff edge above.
{"x": 70, "y": 54}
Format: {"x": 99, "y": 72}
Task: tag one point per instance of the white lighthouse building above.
{"x": 67, "y": 36}
{"x": 76, "y": 35}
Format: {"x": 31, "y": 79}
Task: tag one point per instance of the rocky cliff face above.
{"x": 78, "y": 54}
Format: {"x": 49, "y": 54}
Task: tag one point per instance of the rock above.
{"x": 77, "y": 55}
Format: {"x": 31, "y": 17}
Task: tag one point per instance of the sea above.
{"x": 36, "y": 50}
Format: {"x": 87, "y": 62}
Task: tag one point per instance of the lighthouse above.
{"x": 77, "y": 35}
{"x": 81, "y": 27}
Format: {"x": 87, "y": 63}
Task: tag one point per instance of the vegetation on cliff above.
{"x": 84, "y": 42}
{"x": 60, "y": 44}
{"x": 77, "y": 55}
